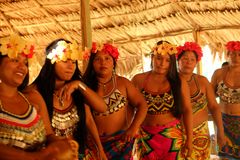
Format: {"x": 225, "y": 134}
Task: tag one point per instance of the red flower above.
{"x": 94, "y": 47}
{"x": 190, "y": 46}
{"x": 233, "y": 46}
{"x": 106, "y": 48}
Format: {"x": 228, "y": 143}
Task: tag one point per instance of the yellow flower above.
{"x": 65, "y": 51}
{"x": 164, "y": 48}
{"x": 14, "y": 45}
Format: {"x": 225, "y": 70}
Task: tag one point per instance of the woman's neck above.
{"x": 235, "y": 68}
{"x": 158, "y": 77}
{"x": 7, "y": 91}
{"x": 59, "y": 84}
{"x": 104, "y": 79}
{"x": 187, "y": 76}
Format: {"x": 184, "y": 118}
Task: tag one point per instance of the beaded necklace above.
{"x": 1, "y": 106}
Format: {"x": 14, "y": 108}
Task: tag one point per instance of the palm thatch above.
{"x": 133, "y": 25}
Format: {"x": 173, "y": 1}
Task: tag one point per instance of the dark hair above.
{"x": 183, "y": 52}
{"x": 26, "y": 79}
{"x": 225, "y": 64}
{"x": 45, "y": 83}
{"x": 175, "y": 83}
{"x": 90, "y": 77}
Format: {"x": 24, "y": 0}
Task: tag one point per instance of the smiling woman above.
{"x": 24, "y": 122}
{"x": 68, "y": 99}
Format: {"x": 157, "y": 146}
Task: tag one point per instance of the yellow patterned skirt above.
{"x": 201, "y": 143}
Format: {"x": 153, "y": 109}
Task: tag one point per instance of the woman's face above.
{"x": 161, "y": 63}
{"x": 234, "y": 57}
{"x": 65, "y": 69}
{"x": 103, "y": 64}
{"x": 187, "y": 62}
{"x": 13, "y": 70}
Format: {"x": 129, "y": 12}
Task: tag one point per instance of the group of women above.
{"x": 161, "y": 114}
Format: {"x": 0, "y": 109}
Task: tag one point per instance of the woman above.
{"x": 202, "y": 99}
{"x": 168, "y": 101}
{"x": 226, "y": 82}
{"x": 115, "y": 126}
{"x": 68, "y": 98}
{"x": 25, "y": 129}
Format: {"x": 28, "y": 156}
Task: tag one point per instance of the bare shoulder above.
{"x": 138, "y": 79}
{"x": 34, "y": 98}
{"x": 201, "y": 79}
{"x": 140, "y": 76}
{"x": 219, "y": 72}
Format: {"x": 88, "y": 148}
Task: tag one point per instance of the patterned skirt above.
{"x": 231, "y": 125}
{"x": 159, "y": 142}
{"x": 116, "y": 147}
{"x": 201, "y": 143}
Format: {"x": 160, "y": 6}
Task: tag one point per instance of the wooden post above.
{"x": 196, "y": 39}
{"x": 86, "y": 28}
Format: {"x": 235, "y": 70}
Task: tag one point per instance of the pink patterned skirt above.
{"x": 160, "y": 142}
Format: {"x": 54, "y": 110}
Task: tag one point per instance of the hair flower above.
{"x": 190, "y": 46}
{"x": 106, "y": 48}
{"x": 233, "y": 46}
{"x": 64, "y": 51}
{"x": 164, "y": 48}
{"x": 14, "y": 45}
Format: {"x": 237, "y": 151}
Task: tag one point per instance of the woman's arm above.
{"x": 215, "y": 79}
{"x": 38, "y": 102}
{"x": 56, "y": 146}
{"x": 10, "y": 153}
{"x": 92, "y": 128}
{"x": 214, "y": 109}
{"x": 91, "y": 98}
{"x": 137, "y": 101}
{"x": 187, "y": 115}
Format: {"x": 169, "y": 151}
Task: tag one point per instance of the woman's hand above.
{"x": 130, "y": 134}
{"x": 67, "y": 90}
{"x": 102, "y": 154}
{"x": 221, "y": 141}
{"x": 187, "y": 149}
{"x": 62, "y": 150}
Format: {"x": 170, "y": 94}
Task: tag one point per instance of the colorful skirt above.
{"x": 116, "y": 147}
{"x": 159, "y": 142}
{"x": 201, "y": 143}
{"x": 231, "y": 125}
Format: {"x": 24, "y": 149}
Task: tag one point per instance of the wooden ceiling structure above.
{"x": 132, "y": 25}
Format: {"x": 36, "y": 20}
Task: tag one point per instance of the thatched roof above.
{"x": 133, "y": 25}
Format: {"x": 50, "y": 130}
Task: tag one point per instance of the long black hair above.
{"x": 90, "y": 77}
{"x": 175, "y": 83}
{"x": 45, "y": 83}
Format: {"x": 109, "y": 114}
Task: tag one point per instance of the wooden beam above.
{"x": 196, "y": 37}
{"x": 173, "y": 33}
{"x": 86, "y": 24}
{"x": 86, "y": 28}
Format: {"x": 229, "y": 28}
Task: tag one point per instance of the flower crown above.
{"x": 190, "y": 46}
{"x": 106, "y": 48}
{"x": 14, "y": 45}
{"x": 164, "y": 48}
{"x": 233, "y": 46}
{"x": 64, "y": 51}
